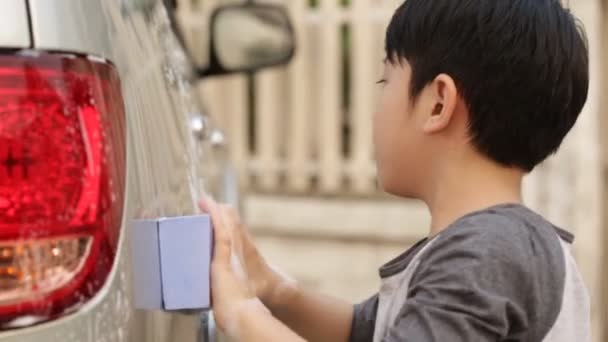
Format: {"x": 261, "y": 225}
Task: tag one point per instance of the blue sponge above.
{"x": 171, "y": 260}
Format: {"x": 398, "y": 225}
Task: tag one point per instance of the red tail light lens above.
{"x": 62, "y": 171}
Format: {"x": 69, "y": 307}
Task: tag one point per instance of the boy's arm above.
{"x": 256, "y": 324}
{"x": 316, "y": 317}
{"x": 239, "y": 275}
{"x": 301, "y": 316}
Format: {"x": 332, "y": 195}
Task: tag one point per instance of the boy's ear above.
{"x": 444, "y": 96}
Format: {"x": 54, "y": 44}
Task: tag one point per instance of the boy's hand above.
{"x": 239, "y": 313}
{"x": 239, "y": 276}
{"x": 259, "y": 279}
{"x": 232, "y": 297}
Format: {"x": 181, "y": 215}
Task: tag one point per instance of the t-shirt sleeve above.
{"x": 471, "y": 285}
{"x": 364, "y": 320}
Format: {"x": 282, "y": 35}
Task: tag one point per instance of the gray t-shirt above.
{"x": 500, "y": 274}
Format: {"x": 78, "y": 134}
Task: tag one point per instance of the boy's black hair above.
{"x": 521, "y": 66}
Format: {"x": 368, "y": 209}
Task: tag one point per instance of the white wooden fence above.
{"x": 302, "y": 137}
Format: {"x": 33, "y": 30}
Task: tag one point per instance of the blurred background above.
{"x": 300, "y": 138}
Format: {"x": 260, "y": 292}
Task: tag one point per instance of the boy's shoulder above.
{"x": 510, "y": 229}
{"x": 504, "y": 273}
{"x": 505, "y": 266}
{"x": 509, "y": 239}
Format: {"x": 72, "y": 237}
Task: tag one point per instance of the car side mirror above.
{"x": 249, "y": 37}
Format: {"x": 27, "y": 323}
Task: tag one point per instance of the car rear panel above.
{"x": 14, "y": 25}
{"x": 162, "y": 170}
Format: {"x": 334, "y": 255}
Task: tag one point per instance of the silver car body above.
{"x": 168, "y": 167}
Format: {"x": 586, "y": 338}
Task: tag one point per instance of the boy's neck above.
{"x": 469, "y": 187}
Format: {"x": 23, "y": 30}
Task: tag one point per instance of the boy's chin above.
{"x": 397, "y": 187}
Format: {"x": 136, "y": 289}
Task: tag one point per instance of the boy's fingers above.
{"x": 234, "y": 216}
{"x": 204, "y": 203}
{"x": 242, "y": 236}
{"x": 230, "y": 217}
{"x": 243, "y": 233}
{"x": 223, "y": 236}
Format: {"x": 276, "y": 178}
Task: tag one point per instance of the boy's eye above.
{"x": 382, "y": 81}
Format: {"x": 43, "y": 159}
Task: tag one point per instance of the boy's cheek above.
{"x": 385, "y": 148}
{"x": 381, "y": 137}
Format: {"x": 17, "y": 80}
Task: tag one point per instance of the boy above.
{"x": 476, "y": 93}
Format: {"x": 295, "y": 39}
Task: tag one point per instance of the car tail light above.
{"x": 62, "y": 176}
